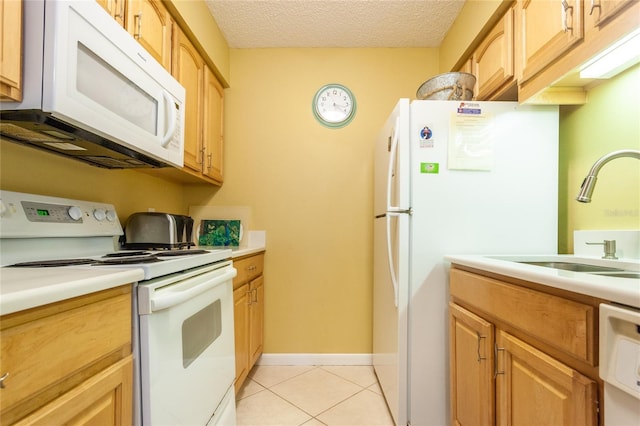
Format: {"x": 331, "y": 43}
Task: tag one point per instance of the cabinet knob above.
{"x": 2, "y": 379}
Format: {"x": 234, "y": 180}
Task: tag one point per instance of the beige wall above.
{"x": 24, "y": 169}
{"x": 311, "y": 187}
{"x": 609, "y": 121}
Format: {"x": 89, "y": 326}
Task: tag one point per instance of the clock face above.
{"x": 334, "y": 105}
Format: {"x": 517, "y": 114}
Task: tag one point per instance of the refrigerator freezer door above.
{"x": 391, "y": 245}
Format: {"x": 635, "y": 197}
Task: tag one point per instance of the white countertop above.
{"x": 256, "y": 242}
{"x": 621, "y": 290}
{"x": 24, "y": 288}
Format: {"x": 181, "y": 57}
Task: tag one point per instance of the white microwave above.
{"x": 92, "y": 93}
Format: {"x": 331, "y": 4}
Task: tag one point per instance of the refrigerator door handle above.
{"x": 392, "y": 267}
{"x": 393, "y": 149}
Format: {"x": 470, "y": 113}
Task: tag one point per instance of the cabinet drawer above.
{"x": 48, "y": 350}
{"x": 248, "y": 268}
{"x": 564, "y": 324}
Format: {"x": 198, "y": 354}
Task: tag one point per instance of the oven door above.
{"x": 187, "y": 359}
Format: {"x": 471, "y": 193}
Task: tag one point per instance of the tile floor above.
{"x": 312, "y": 396}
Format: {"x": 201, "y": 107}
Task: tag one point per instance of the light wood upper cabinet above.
{"x": 203, "y": 150}
{"x": 115, "y": 8}
{"x": 493, "y": 60}
{"x": 11, "y": 50}
{"x": 149, "y": 22}
{"x": 213, "y": 137}
{"x": 188, "y": 69}
{"x": 600, "y": 12}
{"x": 547, "y": 30}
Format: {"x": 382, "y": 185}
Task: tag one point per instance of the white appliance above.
{"x": 183, "y": 335}
{"x": 92, "y": 93}
{"x": 450, "y": 178}
{"x": 620, "y": 364}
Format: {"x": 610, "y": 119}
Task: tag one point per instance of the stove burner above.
{"x": 172, "y": 253}
{"x": 53, "y": 263}
{"x": 126, "y": 253}
{"x": 130, "y": 260}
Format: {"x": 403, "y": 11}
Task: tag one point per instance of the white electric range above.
{"x": 183, "y": 340}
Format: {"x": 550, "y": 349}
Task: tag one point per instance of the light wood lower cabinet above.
{"x": 248, "y": 297}
{"x": 519, "y": 355}
{"x": 69, "y": 362}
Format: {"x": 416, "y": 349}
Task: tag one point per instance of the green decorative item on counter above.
{"x": 220, "y": 233}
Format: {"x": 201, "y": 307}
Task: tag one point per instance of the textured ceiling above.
{"x": 334, "y": 23}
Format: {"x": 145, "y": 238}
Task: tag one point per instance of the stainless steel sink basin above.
{"x": 575, "y": 267}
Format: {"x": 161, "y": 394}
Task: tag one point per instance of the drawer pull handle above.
{"x": 593, "y": 6}
{"x": 480, "y": 357}
{"x": 2, "y": 379}
{"x": 496, "y": 349}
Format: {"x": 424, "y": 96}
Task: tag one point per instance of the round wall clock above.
{"x": 334, "y": 105}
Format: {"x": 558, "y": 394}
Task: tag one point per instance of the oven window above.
{"x": 199, "y": 331}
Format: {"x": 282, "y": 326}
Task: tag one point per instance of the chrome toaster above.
{"x": 153, "y": 230}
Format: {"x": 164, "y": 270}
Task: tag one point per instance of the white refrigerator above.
{"x": 451, "y": 177}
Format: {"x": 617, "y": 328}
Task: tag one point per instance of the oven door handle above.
{"x": 176, "y": 294}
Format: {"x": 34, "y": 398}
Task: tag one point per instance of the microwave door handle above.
{"x": 173, "y": 116}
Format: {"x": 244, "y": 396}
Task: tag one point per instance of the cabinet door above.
{"x": 494, "y": 59}
{"x": 188, "y": 70}
{"x": 241, "y": 330}
{"x": 256, "y": 319}
{"x": 212, "y": 126}
{"x": 104, "y": 399}
{"x": 533, "y": 388}
{"x": 149, "y": 22}
{"x": 471, "y": 367}
{"x": 115, "y": 8}
{"x": 600, "y": 12}
{"x": 11, "y": 50}
{"x": 547, "y": 29}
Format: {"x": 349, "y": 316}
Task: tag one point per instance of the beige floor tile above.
{"x": 365, "y": 408}
{"x": 316, "y": 390}
{"x": 362, "y": 375}
{"x": 270, "y": 375}
{"x": 267, "y": 409}
{"x": 376, "y": 388}
{"x": 314, "y": 422}
{"x": 249, "y": 387}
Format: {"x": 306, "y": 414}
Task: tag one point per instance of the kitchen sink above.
{"x": 623, "y": 274}
{"x": 575, "y": 267}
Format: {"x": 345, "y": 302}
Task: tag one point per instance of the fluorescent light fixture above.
{"x": 620, "y": 56}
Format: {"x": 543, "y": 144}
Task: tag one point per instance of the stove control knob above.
{"x": 111, "y": 216}
{"x": 100, "y": 214}
{"x": 3, "y": 209}
{"x": 75, "y": 212}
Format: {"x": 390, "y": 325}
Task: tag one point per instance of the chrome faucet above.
{"x": 586, "y": 190}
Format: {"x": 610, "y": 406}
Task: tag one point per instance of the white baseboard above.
{"x": 315, "y": 359}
